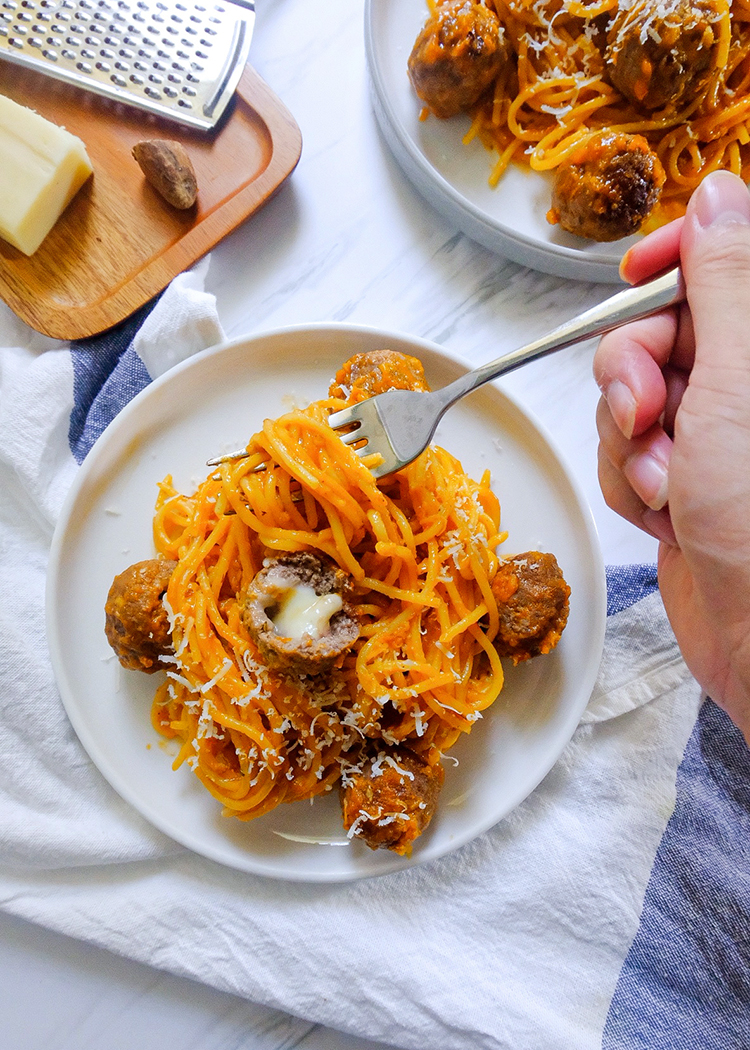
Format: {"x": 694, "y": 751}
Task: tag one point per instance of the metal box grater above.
{"x": 181, "y": 60}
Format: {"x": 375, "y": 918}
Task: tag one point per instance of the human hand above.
{"x": 674, "y": 432}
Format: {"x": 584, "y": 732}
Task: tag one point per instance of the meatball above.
{"x": 533, "y": 602}
{"x": 391, "y": 799}
{"x": 661, "y": 54}
{"x": 297, "y": 613}
{"x": 137, "y": 625}
{"x": 607, "y": 188}
{"x": 457, "y": 57}
{"x": 376, "y": 371}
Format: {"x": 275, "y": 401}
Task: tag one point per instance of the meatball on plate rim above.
{"x": 453, "y": 178}
{"x": 212, "y": 404}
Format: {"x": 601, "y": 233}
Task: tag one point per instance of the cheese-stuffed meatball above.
{"x": 457, "y": 57}
{"x": 137, "y": 625}
{"x": 607, "y": 188}
{"x": 661, "y": 54}
{"x": 297, "y": 612}
{"x": 391, "y": 799}
{"x": 533, "y": 603}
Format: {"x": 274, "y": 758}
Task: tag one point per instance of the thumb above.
{"x": 708, "y": 473}
{"x": 715, "y": 256}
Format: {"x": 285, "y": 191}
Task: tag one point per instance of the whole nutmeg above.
{"x": 169, "y": 170}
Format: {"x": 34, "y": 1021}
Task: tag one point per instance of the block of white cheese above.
{"x": 42, "y": 167}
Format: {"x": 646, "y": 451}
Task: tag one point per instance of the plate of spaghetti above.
{"x": 298, "y": 671}
{"x": 556, "y": 133}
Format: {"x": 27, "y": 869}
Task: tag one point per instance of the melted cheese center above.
{"x": 303, "y": 612}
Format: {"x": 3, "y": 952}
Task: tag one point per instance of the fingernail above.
{"x": 721, "y": 199}
{"x": 648, "y": 477}
{"x": 622, "y": 406}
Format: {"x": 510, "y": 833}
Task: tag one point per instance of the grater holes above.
{"x": 15, "y": 41}
{"x": 106, "y": 53}
{"x": 170, "y": 92}
{"x": 184, "y": 103}
{"x": 34, "y": 41}
{"x": 152, "y": 92}
{"x": 103, "y": 67}
{"x": 137, "y": 79}
{"x": 83, "y": 67}
{"x": 118, "y": 81}
{"x": 122, "y": 66}
{"x": 50, "y": 54}
{"x": 73, "y": 41}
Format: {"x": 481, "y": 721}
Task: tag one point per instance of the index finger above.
{"x": 653, "y": 254}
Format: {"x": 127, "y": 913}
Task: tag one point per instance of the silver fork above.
{"x": 399, "y": 424}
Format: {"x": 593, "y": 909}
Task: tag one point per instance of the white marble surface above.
{"x": 346, "y": 238}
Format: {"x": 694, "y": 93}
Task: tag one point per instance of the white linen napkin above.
{"x": 514, "y": 941}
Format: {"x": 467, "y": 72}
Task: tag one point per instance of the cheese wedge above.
{"x": 42, "y": 167}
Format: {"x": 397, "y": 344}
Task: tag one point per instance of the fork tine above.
{"x": 345, "y": 417}
{"x": 351, "y": 437}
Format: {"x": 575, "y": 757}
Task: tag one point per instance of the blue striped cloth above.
{"x": 682, "y": 982}
{"x": 685, "y": 983}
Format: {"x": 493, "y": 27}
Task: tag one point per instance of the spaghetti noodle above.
{"x": 558, "y": 86}
{"x": 420, "y": 549}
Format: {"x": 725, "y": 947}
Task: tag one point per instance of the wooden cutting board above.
{"x": 119, "y": 243}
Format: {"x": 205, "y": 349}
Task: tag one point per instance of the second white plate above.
{"x": 509, "y": 219}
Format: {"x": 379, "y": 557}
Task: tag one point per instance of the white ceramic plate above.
{"x": 509, "y": 219}
{"x": 211, "y": 404}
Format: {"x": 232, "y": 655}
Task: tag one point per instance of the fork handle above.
{"x": 629, "y": 305}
